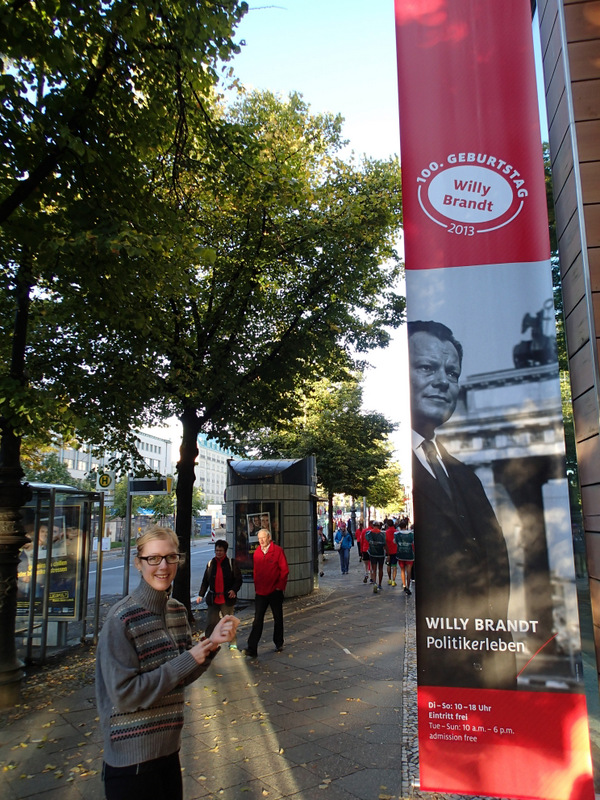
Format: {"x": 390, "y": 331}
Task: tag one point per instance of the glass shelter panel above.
{"x": 53, "y": 563}
{"x": 250, "y": 517}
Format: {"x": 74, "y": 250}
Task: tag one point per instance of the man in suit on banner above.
{"x": 460, "y": 552}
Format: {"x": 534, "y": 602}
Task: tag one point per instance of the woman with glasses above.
{"x": 144, "y": 660}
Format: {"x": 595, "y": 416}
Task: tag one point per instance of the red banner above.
{"x": 470, "y": 135}
{"x": 534, "y": 744}
{"x": 496, "y": 603}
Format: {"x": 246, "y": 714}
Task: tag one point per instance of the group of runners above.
{"x": 390, "y": 543}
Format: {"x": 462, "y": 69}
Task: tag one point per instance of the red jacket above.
{"x": 390, "y": 544}
{"x": 364, "y": 544}
{"x": 270, "y": 570}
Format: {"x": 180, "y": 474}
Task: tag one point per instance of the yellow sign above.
{"x": 105, "y": 481}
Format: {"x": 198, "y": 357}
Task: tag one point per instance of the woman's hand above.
{"x": 225, "y": 629}
{"x": 202, "y": 649}
{"x": 224, "y": 632}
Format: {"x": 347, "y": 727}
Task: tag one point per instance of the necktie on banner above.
{"x": 433, "y": 460}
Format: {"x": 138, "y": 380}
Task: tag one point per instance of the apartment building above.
{"x": 211, "y": 472}
{"x": 156, "y": 452}
{"x": 160, "y": 455}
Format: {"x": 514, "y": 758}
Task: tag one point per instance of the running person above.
{"x": 364, "y": 552}
{"x": 376, "y": 539}
{"x": 405, "y": 541}
{"x": 391, "y": 549}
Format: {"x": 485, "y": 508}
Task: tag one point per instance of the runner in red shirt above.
{"x": 363, "y": 549}
{"x": 391, "y": 552}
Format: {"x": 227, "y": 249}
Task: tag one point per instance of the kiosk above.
{"x": 279, "y": 495}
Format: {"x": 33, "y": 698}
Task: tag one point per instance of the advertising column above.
{"x": 500, "y": 694}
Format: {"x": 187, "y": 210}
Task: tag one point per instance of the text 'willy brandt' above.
{"x": 480, "y": 624}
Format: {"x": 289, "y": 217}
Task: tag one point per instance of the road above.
{"x": 112, "y": 570}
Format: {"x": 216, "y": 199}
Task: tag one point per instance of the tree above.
{"x": 386, "y": 491}
{"x": 51, "y": 470}
{"x": 95, "y": 100}
{"x": 260, "y": 260}
{"x": 98, "y": 98}
{"x": 161, "y": 505}
{"x": 351, "y": 446}
{"x": 296, "y": 275}
{"x": 118, "y": 507}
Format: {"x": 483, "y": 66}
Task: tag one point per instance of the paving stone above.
{"x": 332, "y": 717}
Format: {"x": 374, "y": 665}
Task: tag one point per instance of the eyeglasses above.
{"x": 154, "y": 561}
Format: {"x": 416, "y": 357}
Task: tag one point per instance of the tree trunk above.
{"x": 186, "y": 477}
{"x": 13, "y": 495}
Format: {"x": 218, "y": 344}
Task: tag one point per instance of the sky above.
{"x": 340, "y": 55}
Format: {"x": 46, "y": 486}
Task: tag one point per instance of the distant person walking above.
{"x": 321, "y": 542}
{"x": 270, "y": 579}
{"x": 220, "y": 584}
{"x": 376, "y": 540}
{"x": 343, "y": 537}
{"x": 405, "y": 540}
{"x": 144, "y": 660}
{"x": 364, "y": 552}
{"x": 360, "y": 532}
{"x": 391, "y": 550}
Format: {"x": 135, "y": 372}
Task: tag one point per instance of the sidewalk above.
{"x": 332, "y": 717}
{"x": 321, "y": 719}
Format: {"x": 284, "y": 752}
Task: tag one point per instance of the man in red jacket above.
{"x": 270, "y": 578}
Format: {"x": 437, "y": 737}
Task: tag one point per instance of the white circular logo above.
{"x": 471, "y": 193}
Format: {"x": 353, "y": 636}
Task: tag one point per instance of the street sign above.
{"x": 105, "y": 481}
{"x": 150, "y": 485}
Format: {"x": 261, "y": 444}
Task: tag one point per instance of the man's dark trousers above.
{"x": 261, "y": 603}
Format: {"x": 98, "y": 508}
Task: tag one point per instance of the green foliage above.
{"x": 33, "y": 453}
{"x": 198, "y": 501}
{"x": 118, "y": 507}
{"x": 166, "y": 254}
{"x": 96, "y": 100}
{"x": 304, "y": 269}
{"x": 50, "y": 469}
{"x": 86, "y": 84}
{"x": 351, "y": 446}
{"x": 161, "y": 505}
{"x": 293, "y": 271}
{"x": 88, "y": 483}
{"x": 386, "y": 491}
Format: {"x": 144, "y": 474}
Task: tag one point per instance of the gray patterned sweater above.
{"x": 142, "y": 666}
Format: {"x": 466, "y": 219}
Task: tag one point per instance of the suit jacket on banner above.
{"x": 462, "y": 576}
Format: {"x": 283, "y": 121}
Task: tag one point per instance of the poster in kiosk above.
{"x": 501, "y": 705}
